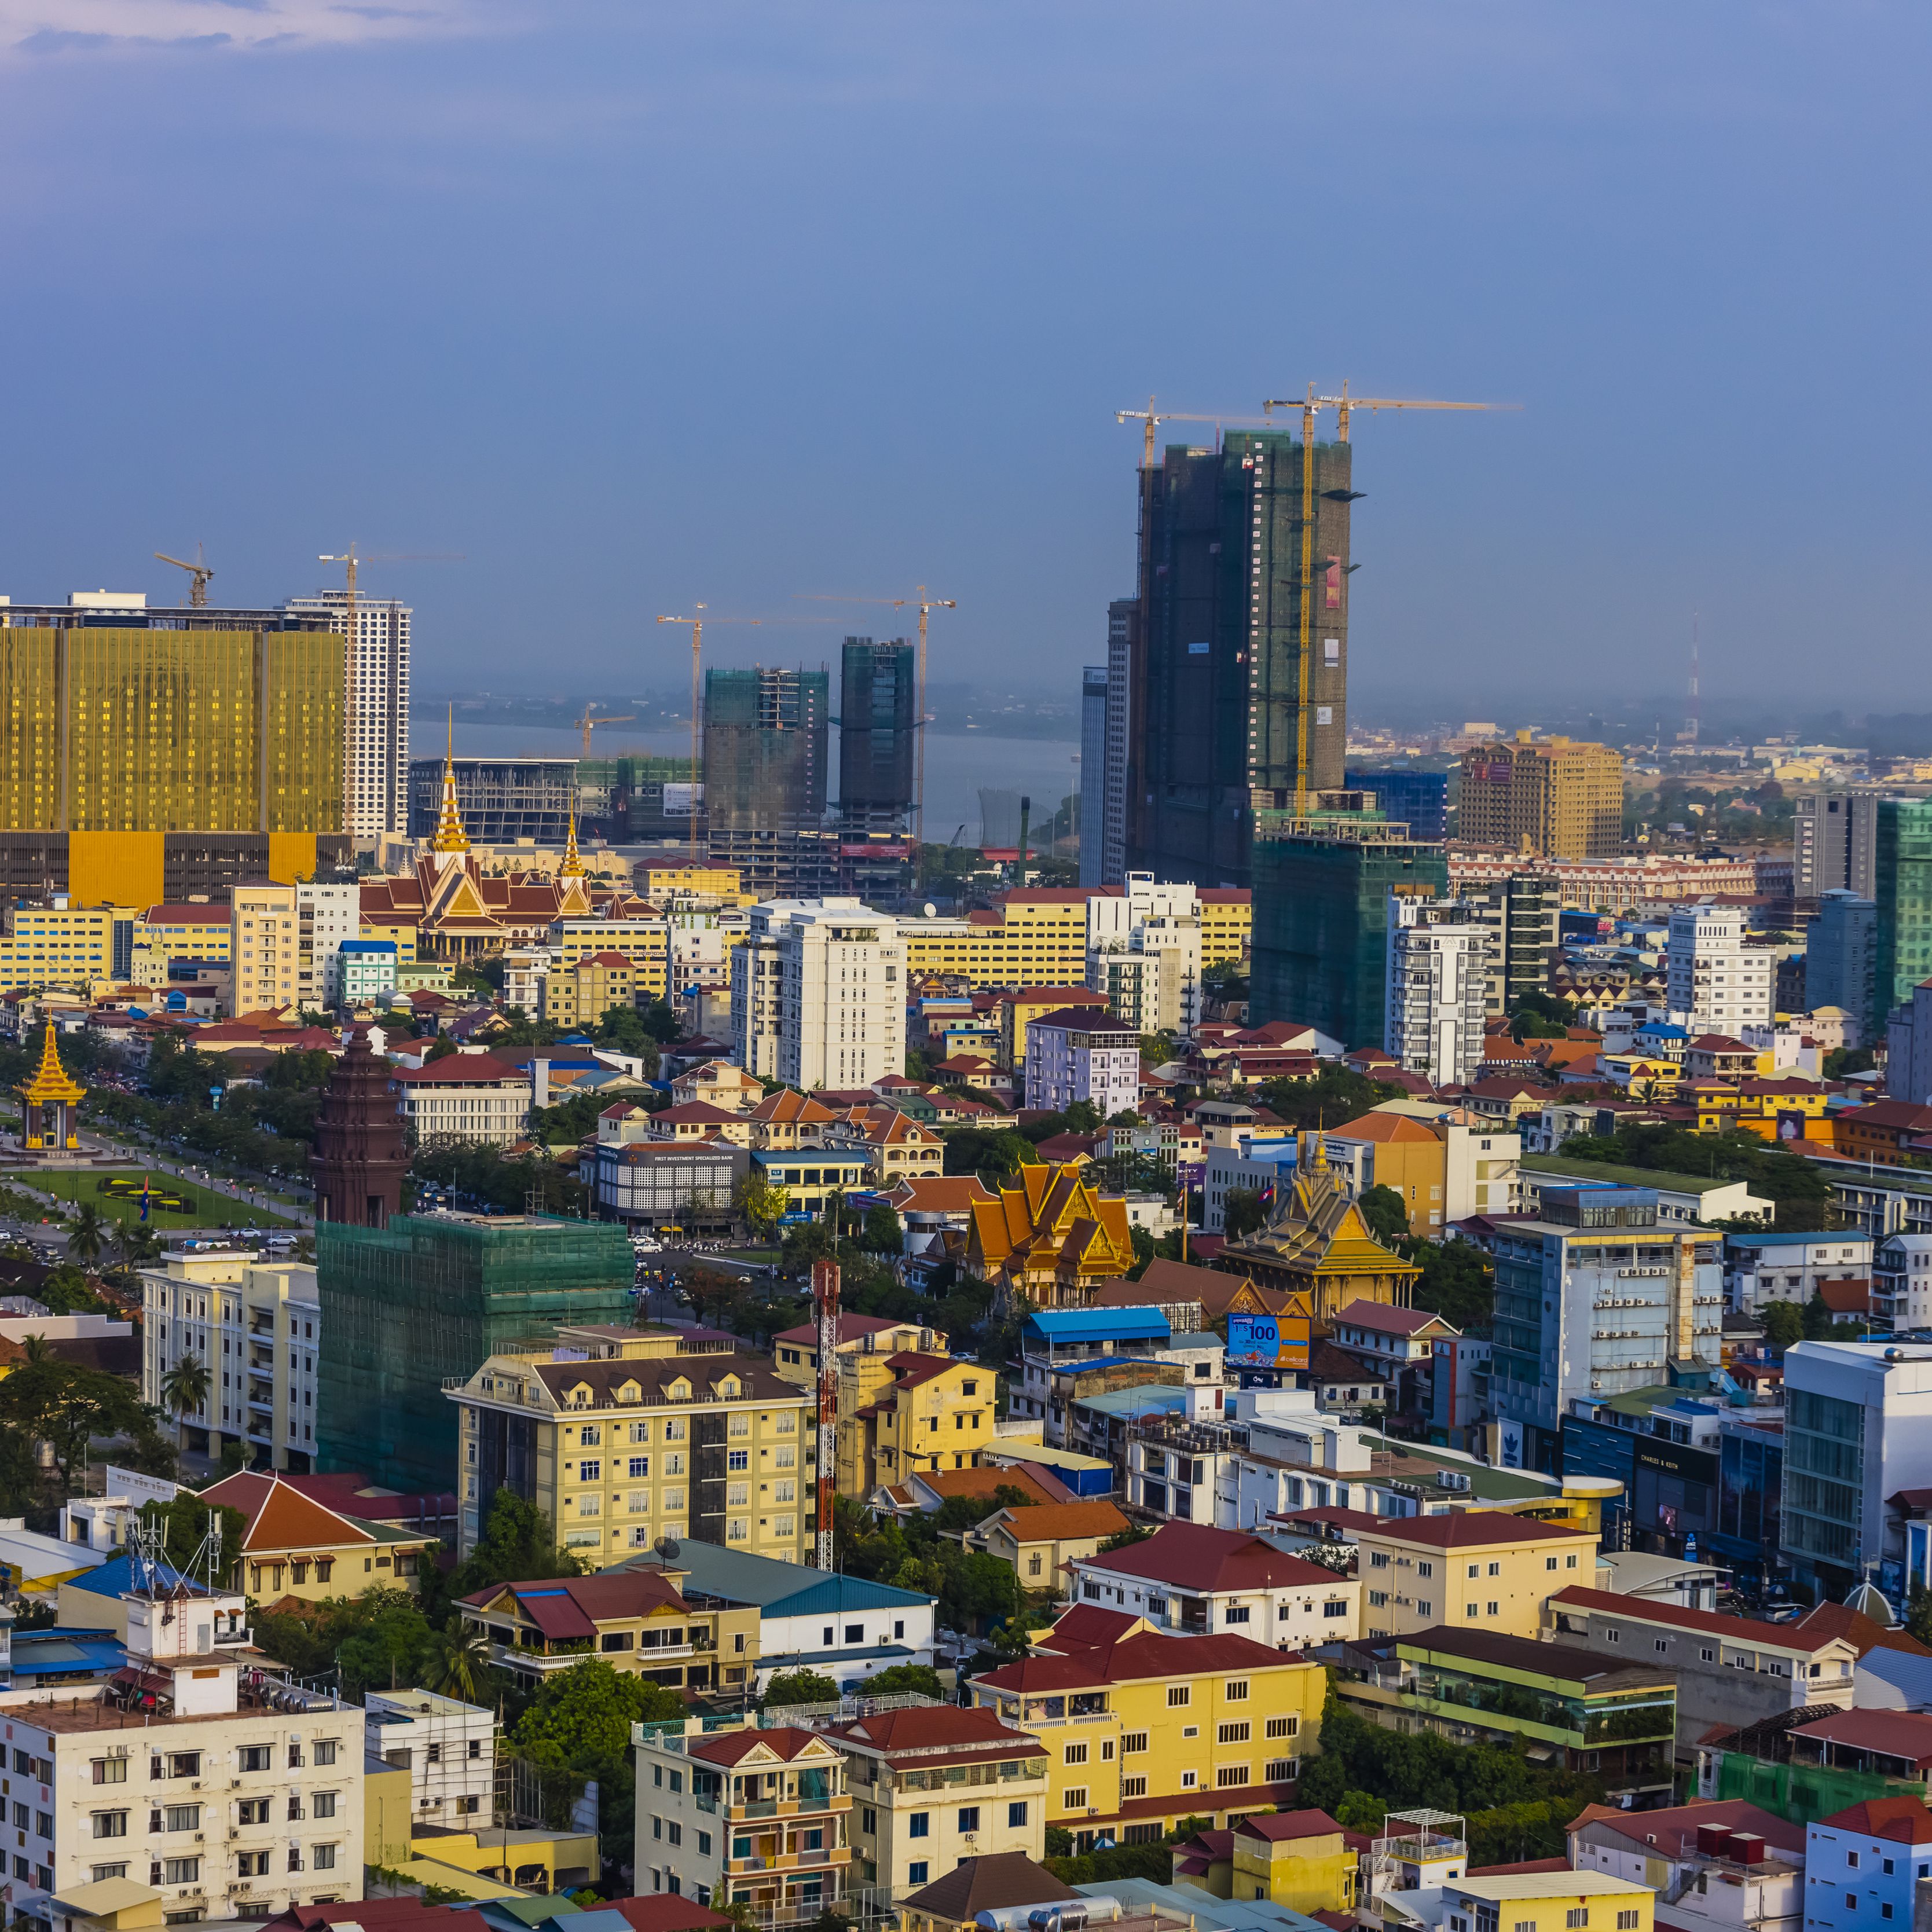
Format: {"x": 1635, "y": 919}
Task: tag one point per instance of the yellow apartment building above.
{"x": 1560, "y": 798}
{"x": 1226, "y": 917}
{"x": 712, "y": 884}
{"x": 1475, "y": 1569}
{"x": 1144, "y": 1729}
{"x": 614, "y": 1441}
{"x": 265, "y": 948}
{"x": 644, "y": 943}
{"x": 909, "y": 1414}
{"x": 795, "y": 1351}
{"x": 1300, "y": 1860}
{"x": 583, "y": 992}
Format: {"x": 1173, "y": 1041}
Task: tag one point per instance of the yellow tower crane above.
{"x": 1152, "y": 419}
{"x": 199, "y": 570}
{"x": 587, "y": 724}
{"x": 1344, "y": 406}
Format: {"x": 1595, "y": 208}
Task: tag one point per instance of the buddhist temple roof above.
{"x": 51, "y": 1083}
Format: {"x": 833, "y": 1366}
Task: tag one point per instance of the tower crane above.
{"x": 1152, "y": 419}
{"x": 925, "y": 604}
{"x": 1344, "y": 406}
{"x": 587, "y": 724}
{"x": 199, "y": 570}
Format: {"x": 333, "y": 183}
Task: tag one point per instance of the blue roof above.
{"x": 48, "y": 1652}
{"x": 1144, "y": 1398}
{"x": 1086, "y": 1362}
{"x": 1096, "y": 1324}
{"x": 116, "y": 1578}
{"x": 1789, "y": 1237}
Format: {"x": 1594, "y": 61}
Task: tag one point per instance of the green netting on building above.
{"x": 1799, "y": 1793}
{"x": 1902, "y": 873}
{"x": 1320, "y": 923}
{"x": 406, "y": 1307}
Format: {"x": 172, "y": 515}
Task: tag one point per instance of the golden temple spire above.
{"x": 572, "y": 867}
{"x": 51, "y": 1083}
{"x": 450, "y": 836}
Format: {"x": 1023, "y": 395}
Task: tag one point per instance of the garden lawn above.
{"x": 210, "y": 1210}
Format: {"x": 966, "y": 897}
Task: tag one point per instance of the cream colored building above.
{"x": 933, "y": 1784}
{"x": 1472, "y": 1569}
{"x": 256, "y": 1327}
{"x": 264, "y": 947}
{"x": 795, "y": 1351}
{"x": 617, "y": 1442}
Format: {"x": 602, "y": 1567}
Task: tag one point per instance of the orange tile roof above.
{"x": 280, "y": 1518}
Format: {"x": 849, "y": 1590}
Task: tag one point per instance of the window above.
{"x": 1612, "y": 1637}
{"x": 1851, "y": 1859}
{"x": 1851, "y": 1901}
{"x": 110, "y": 1824}
{"x": 1016, "y": 1814}
{"x": 181, "y": 1764}
{"x": 1236, "y": 1613}
{"x": 1570, "y": 1561}
{"x": 1577, "y": 1916}
{"x": 324, "y": 1751}
{"x": 1627, "y": 1921}
{"x": 1235, "y": 1690}
{"x": 1282, "y": 1770}
{"x": 1885, "y": 1865}
{"x": 1493, "y": 1606}
{"x": 1231, "y": 1734}
{"x": 252, "y": 1865}
{"x": 1424, "y": 1607}
{"x": 325, "y": 1805}
{"x": 1379, "y": 1559}
{"x": 183, "y": 1818}
{"x": 254, "y": 1811}
{"x": 1885, "y": 1911}
{"x": 969, "y": 1818}
{"x": 182, "y": 1871}
{"x": 1475, "y": 1569}
{"x": 1230, "y": 1775}
{"x": 1074, "y": 1754}
{"x": 920, "y": 1825}
{"x": 1335, "y": 1607}
{"x": 1130, "y": 1787}
{"x": 1425, "y": 1569}
{"x": 109, "y": 1770}
{"x": 737, "y": 1460}
{"x": 1550, "y": 1563}
{"x": 1469, "y": 1610}
{"x": 1074, "y": 1798}
{"x": 325, "y": 1858}
{"x": 1178, "y": 1694}
{"x": 915, "y": 1872}
{"x": 1131, "y": 1742}
{"x": 1707, "y": 1656}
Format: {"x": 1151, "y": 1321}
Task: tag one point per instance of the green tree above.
{"x": 1784, "y": 1324}
{"x": 67, "y": 1406}
{"x": 623, "y": 1029}
{"x": 1457, "y": 1281}
{"x": 137, "y": 1244}
{"x": 1243, "y": 1212}
{"x": 518, "y": 1545}
{"x": 1382, "y": 1209}
{"x": 183, "y": 1526}
{"x": 442, "y": 1048}
{"x": 185, "y": 1386}
{"x": 66, "y": 1291}
{"x": 389, "y": 1646}
{"x": 799, "y": 1687}
{"x": 882, "y": 1233}
{"x": 759, "y": 1201}
{"x": 86, "y": 1237}
{"x": 906, "y": 1679}
{"x": 1798, "y": 1188}
{"x": 662, "y": 1024}
{"x": 996, "y": 1150}
{"x": 459, "y": 1664}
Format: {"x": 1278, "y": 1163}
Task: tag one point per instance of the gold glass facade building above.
{"x": 154, "y": 754}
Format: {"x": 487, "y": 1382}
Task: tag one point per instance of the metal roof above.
{"x": 779, "y": 1589}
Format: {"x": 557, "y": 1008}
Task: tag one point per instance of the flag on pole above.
{"x": 144, "y": 1197}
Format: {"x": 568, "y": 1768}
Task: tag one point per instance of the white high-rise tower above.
{"x": 376, "y": 782}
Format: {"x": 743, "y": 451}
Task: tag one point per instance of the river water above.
{"x": 956, "y": 765}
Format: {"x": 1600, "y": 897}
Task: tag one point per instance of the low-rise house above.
{"x": 1532, "y": 1900}
{"x": 934, "y": 1784}
{"x": 1871, "y": 1862}
{"x": 795, "y": 1351}
{"x": 1730, "y": 1670}
{"x": 292, "y": 1546}
{"x": 1398, "y": 1342}
{"x": 1726, "y": 1866}
{"x": 447, "y": 1747}
{"x": 1301, "y": 1859}
{"x": 1770, "y": 1264}
{"x": 640, "y": 1623}
{"x": 895, "y": 1147}
{"x": 1801, "y": 1770}
{"x": 464, "y": 1096}
{"x": 717, "y": 1083}
{"x": 1004, "y": 1885}
{"x": 843, "y": 1628}
{"x": 1042, "y": 1543}
{"x": 1344, "y": 1384}
{"x": 783, "y": 1122}
{"x": 1192, "y": 1579}
{"x": 759, "y": 1817}
{"x": 1598, "y": 1716}
{"x": 925, "y": 1495}
{"x": 692, "y": 1121}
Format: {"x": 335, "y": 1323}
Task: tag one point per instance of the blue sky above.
{"x": 634, "y": 304}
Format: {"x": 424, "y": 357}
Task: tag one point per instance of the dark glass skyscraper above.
{"x": 876, "y": 707}
{"x": 1236, "y": 717}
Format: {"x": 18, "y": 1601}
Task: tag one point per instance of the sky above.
{"x": 631, "y": 305}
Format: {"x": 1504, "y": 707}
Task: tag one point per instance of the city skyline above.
{"x": 773, "y": 235}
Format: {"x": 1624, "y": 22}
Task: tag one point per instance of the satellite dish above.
{"x": 667, "y": 1547}
{"x": 931, "y": 910}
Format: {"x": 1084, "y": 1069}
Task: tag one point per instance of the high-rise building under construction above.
{"x": 764, "y": 752}
{"x": 1241, "y": 695}
{"x": 878, "y": 707}
{"x": 147, "y": 755}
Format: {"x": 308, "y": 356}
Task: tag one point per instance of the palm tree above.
{"x": 457, "y": 1665}
{"x": 86, "y": 1237}
{"x": 185, "y": 1387}
{"x": 136, "y": 1244}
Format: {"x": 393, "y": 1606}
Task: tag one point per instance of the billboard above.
{"x": 1267, "y": 1342}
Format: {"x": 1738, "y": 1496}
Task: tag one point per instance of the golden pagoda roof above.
{"x": 572, "y": 867}
{"x": 51, "y": 1083}
{"x": 450, "y": 836}
{"x": 1319, "y": 1230}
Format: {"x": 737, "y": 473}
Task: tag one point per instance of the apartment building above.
{"x": 1725, "y": 1865}
{"x": 645, "y": 943}
{"x": 795, "y": 1351}
{"x": 447, "y": 1747}
{"x": 1901, "y": 1282}
{"x": 1143, "y": 1729}
{"x": 1130, "y": 983}
{"x": 760, "y": 1817}
{"x": 1073, "y": 1056}
{"x": 1770, "y": 1264}
{"x": 265, "y": 948}
{"x": 328, "y": 915}
{"x": 1478, "y": 1569}
{"x": 376, "y": 784}
{"x": 165, "y": 933}
{"x": 464, "y": 1096}
{"x": 365, "y": 972}
{"x": 255, "y": 1327}
{"x": 659, "y": 1435}
{"x": 818, "y": 994}
{"x": 1192, "y": 1580}
{"x": 205, "y": 1796}
{"x": 1730, "y": 1670}
{"x": 934, "y": 1785}
{"x": 1713, "y": 983}
{"x": 1557, "y": 798}
{"x": 907, "y": 1414}
{"x": 1438, "y": 980}
{"x": 580, "y": 993}
{"x": 1868, "y": 1861}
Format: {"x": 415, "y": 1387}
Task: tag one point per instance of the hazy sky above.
{"x": 635, "y": 304}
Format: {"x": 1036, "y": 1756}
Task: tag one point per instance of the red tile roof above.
{"x": 573, "y": 1606}
{"x": 787, "y": 1741}
{"x": 1742, "y": 1630}
{"x": 281, "y": 1518}
{"x": 1473, "y": 1529}
{"x": 1899, "y": 1734}
{"x": 851, "y": 1328}
{"x": 1907, "y": 1821}
{"x": 1387, "y": 1321}
{"x": 1202, "y": 1558}
{"x": 1282, "y": 1827}
{"x": 457, "y": 1069}
{"x": 1673, "y": 1830}
{"x": 1064, "y": 1522}
{"x": 939, "y": 1726}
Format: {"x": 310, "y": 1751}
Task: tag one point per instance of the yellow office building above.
{"x": 145, "y": 755}
{"x": 1480, "y": 1569}
{"x": 65, "y": 945}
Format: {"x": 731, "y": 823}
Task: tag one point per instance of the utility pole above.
{"x": 825, "y": 1294}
